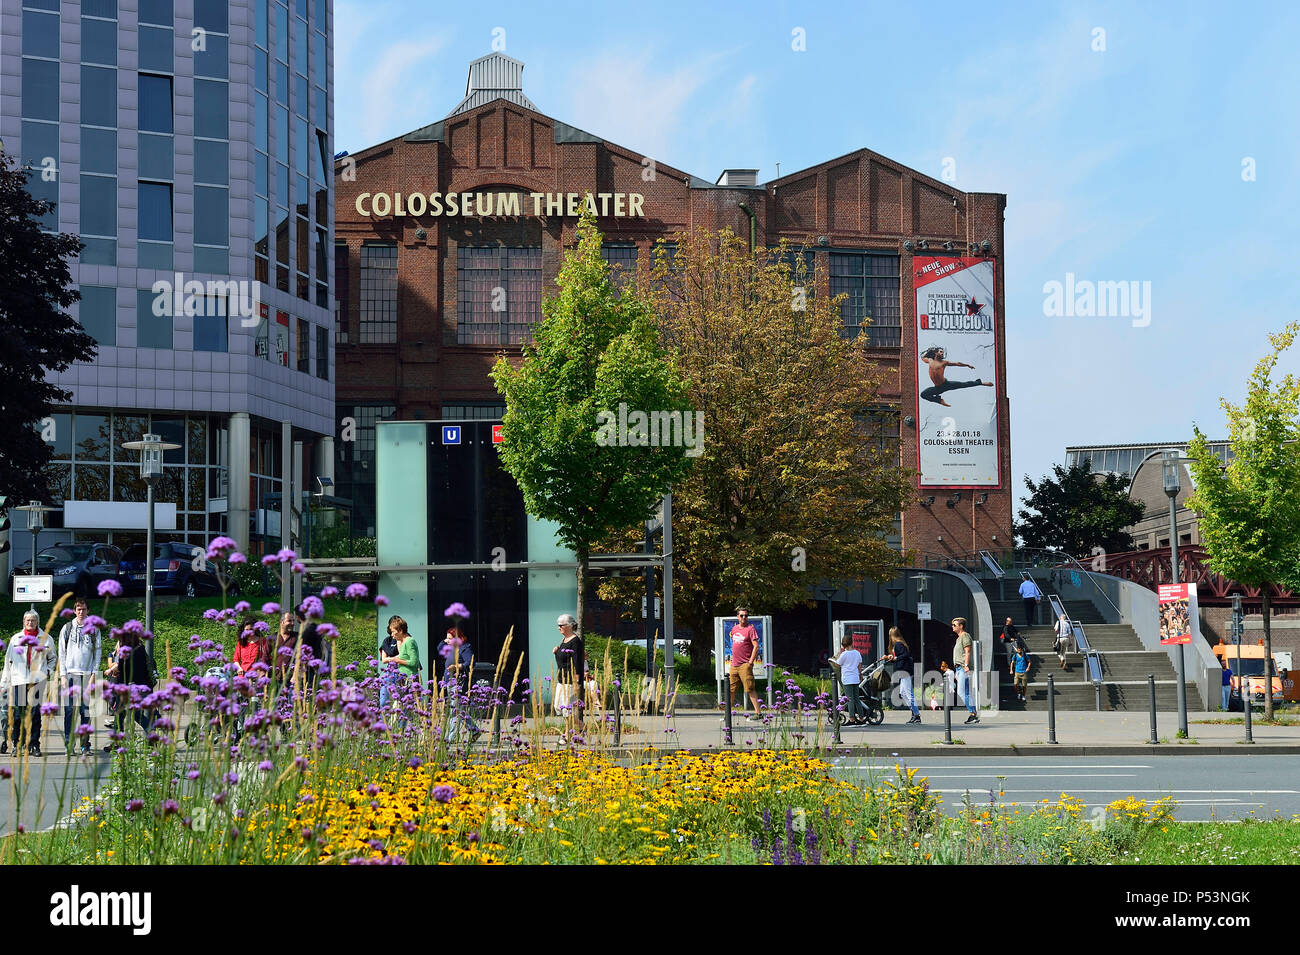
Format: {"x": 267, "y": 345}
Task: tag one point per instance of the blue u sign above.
{"x": 451, "y": 434}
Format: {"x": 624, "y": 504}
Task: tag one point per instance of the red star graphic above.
{"x": 973, "y": 307}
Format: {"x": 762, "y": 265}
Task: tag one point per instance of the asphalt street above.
{"x": 1205, "y": 787}
{"x": 43, "y": 791}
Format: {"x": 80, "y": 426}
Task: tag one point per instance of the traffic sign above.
{"x": 38, "y": 588}
{"x": 923, "y": 611}
{"x": 451, "y": 434}
{"x": 497, "y": 437}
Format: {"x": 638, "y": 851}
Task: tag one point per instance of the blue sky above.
{"x": 1119, "y": 165}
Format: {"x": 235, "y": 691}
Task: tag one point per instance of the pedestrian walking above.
{"x": 1019, "y": 669}
{"x": 1009, "y": 635}
{"x": 408, "y": 662}
{"x": 1226, "y": 692}
{"x": 131, "y": 668}
{"x": 388, "y": 655}
{"x": 1031, "y": 595}
{"x": 963, "y": 652}
{"x": 570, "y": 666}
{"x": 79, "y": 652}
{"x": 743, "y": 654}
{"x": 30, "y": 660}
{"x": 1064, "y": 639}
{"x": 457, "y": 670}
{"x": 901, "y": 655}
{"x": 849, "y": 662}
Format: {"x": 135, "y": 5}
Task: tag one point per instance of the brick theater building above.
{"x": 430, "y": 226}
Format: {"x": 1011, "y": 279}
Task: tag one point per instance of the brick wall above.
{"x": 861, "y": 201}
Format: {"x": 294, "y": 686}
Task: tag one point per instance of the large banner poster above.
{"x": 957, "y": 373}
{"x": 1179, "y": 613}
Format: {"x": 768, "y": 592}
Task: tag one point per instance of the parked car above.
{"x": 75, "y": 567}
{"x": 173, "y": 571}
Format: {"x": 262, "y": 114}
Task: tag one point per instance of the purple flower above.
{"x": 134, "y": 805}
{"x": 329, "y": 591}
{"x": 266, "y": 766}
{"x": 457, "y": 609}
{"x": 219, "y": 546}
{"x": 261, "y": 626}
{"x": 94, "y": 623}
{"x": 133, "y": 626}
{"x": 242, "y": 606}
{"x": 67, "y": 613}
{"x": 211, "y": 613}
{"x": 49, "y": 708}
{"x": 270, "y": 607}
{"x": 381, "y": 600}
{"x": 110, "y": 588}
{"x": 415, "y": 762}
{"x": 312, "y": 608}
{"x": 284, "y": 555}
{"x": 298, "y": 567}
{"x": 170, "y": 806}
{"x": 300, "y": 763}
{"x": 443, "y": 794}
{"x": 268, "y": 560}
{"x": 237, "y": 558}
{"x": 356, "y": 592}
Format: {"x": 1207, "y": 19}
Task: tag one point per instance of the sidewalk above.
{"x": 997, "y": 734}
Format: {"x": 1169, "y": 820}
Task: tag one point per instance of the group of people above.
{"x": 849, "y": 664}
{"x": 33, "y": 660}
{"x": 288, "y": 654}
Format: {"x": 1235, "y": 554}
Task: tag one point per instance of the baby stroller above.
{"x": 875, "y": 684}
{"x": 202, "y": 721}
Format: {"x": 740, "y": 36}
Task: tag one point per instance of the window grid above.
{"x": 304, "y": 346}
{"x": 622, "y": 261}
{"x": 378, "y": 294}
{"x": 499, "y": 294}
{"x": 342, "y": 292}
{"x": 871, "y": 283}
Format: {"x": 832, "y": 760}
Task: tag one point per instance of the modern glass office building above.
{"x": 187, "y": 142}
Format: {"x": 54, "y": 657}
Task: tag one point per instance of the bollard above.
{"x": 618, "y": 715}
{"x": 947, "y": 711}
{"x": 1151, "y": 688}
{"x": 726, "y": 696}
{"x": 1245, "y": 701}
{"x": 1051, "y": 708}
{"x": 835, "y": 706}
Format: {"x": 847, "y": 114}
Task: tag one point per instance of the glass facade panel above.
{"x": 40, "y": 89}
{"x": 155, "y": 214}
{"x": 211, "y": 215}
{"x": 499, "y": 293}
{"x": 99, "y": 41}
{"x": 155, "y": 156}
{"x": 98, "y": 96}
{"x": 322, "y": 353}
{"x": 156, "y": 49}
{"x": 98, "y": 150}
{"x": 98, "y": 313}
{"x": 156, "y": 11}
{"x": 871, "y": 283}
{"x": 98, "y": 8}
{"x": 99, "y": 205}
{"x": 210, "y": 15}
{"x": 152, "y": 331}
{"x": 40, "y": 34}
{"x": 213, "y": 60}
{"x": 210, "y": 109}
{"x": 155, "y": 103}
{"x": 90, "y": 436}
{"x": 212, "y": 162}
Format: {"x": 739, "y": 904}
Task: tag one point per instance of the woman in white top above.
{"x": 1064, "y": 638}
{"x": 849, "y": 663}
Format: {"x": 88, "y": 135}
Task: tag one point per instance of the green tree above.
{"x": 1249, "y": 512}
{"x": 799, "y": 481}
{"x": 38, "y": 334}
{"x": 596, "y": 349}
{"x": 1074, "y": 510}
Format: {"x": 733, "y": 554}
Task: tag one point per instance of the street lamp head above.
{"x": 1170, "y": 464}
{"x": 151, "y": 448}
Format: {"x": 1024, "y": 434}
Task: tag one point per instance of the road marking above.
{"x": 962, "y": 765}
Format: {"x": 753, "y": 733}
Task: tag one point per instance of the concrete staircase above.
{"x": 1125, "y": 663}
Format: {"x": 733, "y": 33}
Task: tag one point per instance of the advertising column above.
{"x": 957, "y": 373}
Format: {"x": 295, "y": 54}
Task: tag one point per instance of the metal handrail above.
{"x": 992, "y": 564}
{"x": 1091, "y": 656}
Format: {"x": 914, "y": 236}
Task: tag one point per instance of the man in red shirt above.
{"x": 745, "y": 652}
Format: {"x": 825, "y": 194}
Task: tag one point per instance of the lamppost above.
{"x": 1171, "y": 461}
{"x": 827, "y": 593}
{"x": 922, "y": 585}
{"x": 1238, "y": 631}
{"x": 894, "y": 591}
{"x": 151, "y": 448}
{"x": 35, "y": 523}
